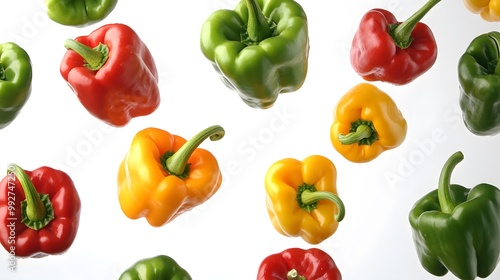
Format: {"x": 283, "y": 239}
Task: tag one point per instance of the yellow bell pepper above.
{"x": 366, "y": 123}
{"x": 488, "y": 9}
{"x": 302, "y": 198}
{"x": 163, "y": 175}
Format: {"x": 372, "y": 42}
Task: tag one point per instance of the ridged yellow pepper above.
{"x": 366, "y": 123}
{"x": 302, "y": 198}
{"x": 163, "y": 175}
{"x": 488, "y": 9}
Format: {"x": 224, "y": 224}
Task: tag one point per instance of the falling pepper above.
{"x": 302, "y": 200}
{"x": 16, "y": 75}
{"x": 163, "y": 175}
{"x": 384, "y": 49}
{"x": 113, "y": 74}
{"x": 489, "y": 10}
{"x": 39, "y": 212}
{"x": 366, "y": 123}
{"x": 299, "y": 264}
{"x": 79, "y": 13}
{"x": 479, "y": 79}
{"x": 160, "y": 267}
{"x": 457, "y": 229}
{"x": 260, "y": 49}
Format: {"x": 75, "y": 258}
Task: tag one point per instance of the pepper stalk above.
{"x": 444, "y": 193}
{"x": 294, "y": 275}
{"x": 94, "y": 58}
{"x": 258, "y": 26}
{"x": 401, "y": 33}
{"x": 176, "y": 163}
{"x": 308, "y": 198}
{"x": 36, "y": 209}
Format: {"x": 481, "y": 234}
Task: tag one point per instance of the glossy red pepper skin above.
{"x": 375, "y": 56}
{"x": 310, "y": 263}
{"x": 58, "y": 235}
{"x": 126, "y": 86}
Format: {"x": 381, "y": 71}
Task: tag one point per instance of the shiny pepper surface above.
{"x": 16, "y": 75}
{"x": 457, "y": 229}
{"x": 260, "y": 49}
{"x": 299, "y": 264}
{"x": 79, "y": 13}
{"x": 163, "y": 175}
{"x": 488, "y": 9}
{"x": 366, "y": 123}
{"x": 302, "y": 200}
{"x": 384, "y": 49}
{"x": 160, "y": 267}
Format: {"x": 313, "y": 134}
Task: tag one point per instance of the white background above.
{"x": 229, "y": 235}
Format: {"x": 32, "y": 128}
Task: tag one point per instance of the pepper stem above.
{"x": 361, "y": 132}
{"x": 294, "y": 275}
{"x": 444, "y": 194}
{"x": 176, "y": 164}
{"x": 308, "y": 198}
{"x": 401, "y": 33}
{"x": 36, "y": 210}
{"x": 94, "y": 57}
{"x": 258, "y": 27}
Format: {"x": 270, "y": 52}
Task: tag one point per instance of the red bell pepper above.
{"x": 39, "y": 212}
{"x": 113, "y": 74}
{"x": 299, "y": 264}
{"x": 386, "y": 50}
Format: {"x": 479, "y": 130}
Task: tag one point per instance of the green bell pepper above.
{"x": 16, "y": 74}
{"x": 258, "y": 52}
{"x": 457, "y": 229}
{"x": 160, "y": 267}
{"x": 79, "y": 12}
{"x": 479, "y": 78}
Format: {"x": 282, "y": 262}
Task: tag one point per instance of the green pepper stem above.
{"x": 402, "y": 32}
{"x": 258, "y": 27}
{"x": 36, "y": 210}
{"x": 309, "y": 197}
{"x": 176, "y": 164}
{"x": 294, "y": 275}
{"x": 363, "y": 131}
{"x": 444, "y": 193}
{"x": 94, "y": 58}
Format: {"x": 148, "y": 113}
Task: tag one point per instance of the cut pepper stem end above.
{"x": 258, "y": 27}
{"x": 294, "y": 275}
{"x": 444, "y": 193}
{"x": 177, "y": 162}
{"x": 36, "y": 210}
{"x": 94, "y": 58}
{"x": 308, "y": 198}
{"x": 401, "y": 33}
{"x": 361, "y": 132}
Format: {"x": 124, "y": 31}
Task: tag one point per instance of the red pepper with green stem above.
{"x": 113, "y": 74}
{"x": 299, "y": 264}
{"x": 39, "y": 212}
{"x": 384, "y": 49}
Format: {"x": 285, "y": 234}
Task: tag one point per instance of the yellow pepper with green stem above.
{"x": 366, "y": 123}
{"x": 302, "y": 198}
{"x": 163, "y": 175}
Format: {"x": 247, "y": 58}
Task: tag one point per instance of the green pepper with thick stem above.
{"x": 160, "y": 267}
{"x": 479, "y": 77}
{"x": 16, "y": 74}
{"x": 458, "y": 229}
{"x": 79, "y": 13}
{"x": 260, "y": 49}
